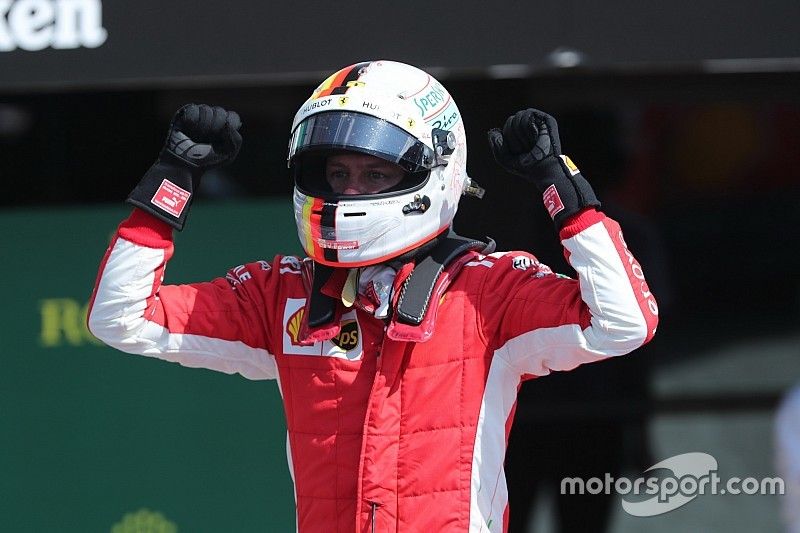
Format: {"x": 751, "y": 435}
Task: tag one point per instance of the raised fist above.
{"x": 204, "y": 136}
{"x": 529, "y": 146}
{"x": 528, "y": 138}
{"x": 200, "y": 137}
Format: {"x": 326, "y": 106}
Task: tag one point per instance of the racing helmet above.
{"x": 398, "y": 113}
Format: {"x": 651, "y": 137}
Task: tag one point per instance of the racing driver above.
{"x": 398, "y": 345}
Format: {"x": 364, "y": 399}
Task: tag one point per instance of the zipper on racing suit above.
{"x": 379, "y": 361}
{"x": 375, "y": 506}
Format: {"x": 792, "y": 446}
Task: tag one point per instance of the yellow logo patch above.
{"x": 144, "y": 521}
{"x": 293, "y": 325}
{"x": 347, "y": 339}
{"x": 346, "y": 345}
{"x": 573, "y": 168}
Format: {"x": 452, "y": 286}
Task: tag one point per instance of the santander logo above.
{"x": 636, "y": 268}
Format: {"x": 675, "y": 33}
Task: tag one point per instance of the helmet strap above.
{"x": 416, "y": 292}
{"x": 321, "y": 307}
{"x": 432, "y": 258}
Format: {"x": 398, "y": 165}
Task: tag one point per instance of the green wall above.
{"x": 92, "y": 439}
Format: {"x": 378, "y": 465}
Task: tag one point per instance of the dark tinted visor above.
{"x": 346, "y": 130}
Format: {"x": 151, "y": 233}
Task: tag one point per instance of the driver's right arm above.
{"x": 220, "y": 325}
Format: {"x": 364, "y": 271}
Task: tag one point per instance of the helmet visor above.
{"x": 346, "y": 130}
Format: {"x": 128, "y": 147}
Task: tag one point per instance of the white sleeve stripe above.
{"x": 198, "y": 351}
{"x": 123, "y": 288}
{"x": 117, "y": 319}
{"x": 617, "y": 326}
{"x": 488, "y": 491}
{"x": 606, "y": 288}
{"x": 542, "y": 350}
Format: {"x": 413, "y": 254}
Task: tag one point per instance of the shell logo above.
{"x": 293, "y": 326}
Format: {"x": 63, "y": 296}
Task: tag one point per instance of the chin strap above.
{"x": 415, "y": 307}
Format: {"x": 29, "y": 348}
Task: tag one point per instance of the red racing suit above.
{"x": 387, "y": 435}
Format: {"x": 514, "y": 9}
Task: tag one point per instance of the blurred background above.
{"x": 684, "y": 115}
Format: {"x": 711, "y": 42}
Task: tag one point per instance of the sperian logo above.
{"x": 62, "y": 24}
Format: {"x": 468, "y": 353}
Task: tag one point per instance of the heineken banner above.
{"x": 92, "y": 439}
{"x": 87, "y": 43}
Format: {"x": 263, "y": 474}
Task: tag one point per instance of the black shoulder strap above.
{"x": 321, "y": 308}
{"x": 418, "y": 287}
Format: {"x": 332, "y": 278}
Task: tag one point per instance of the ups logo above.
{"x": 347, "y": 339}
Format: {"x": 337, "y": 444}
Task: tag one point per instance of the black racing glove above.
{"x": 200, "y": 137}
{"x": 529, "y": 146}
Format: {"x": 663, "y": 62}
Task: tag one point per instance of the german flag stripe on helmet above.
{"x": 338, "y": 83}
{"x": 312, "y": 212}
